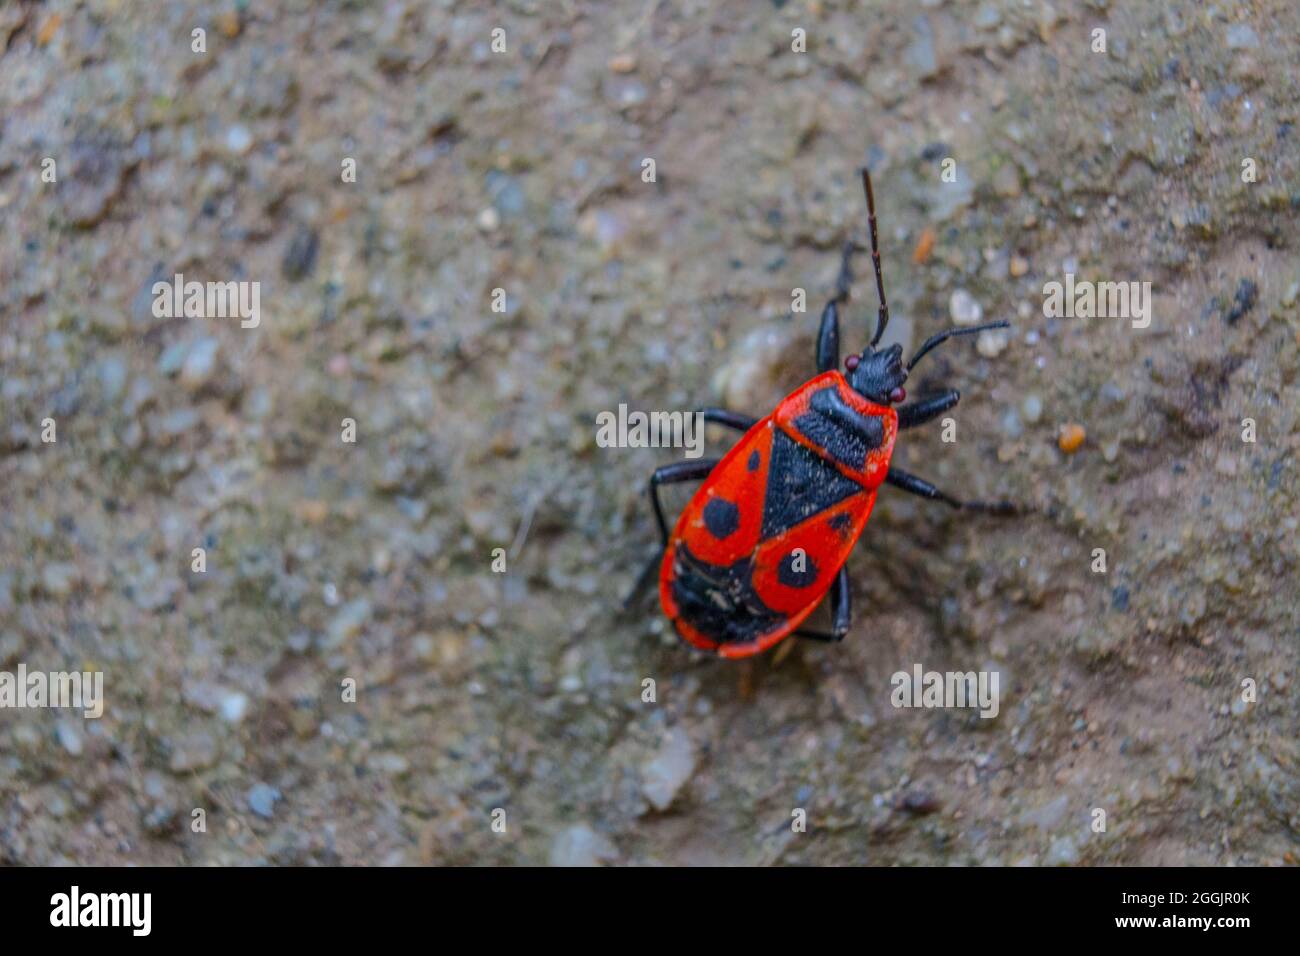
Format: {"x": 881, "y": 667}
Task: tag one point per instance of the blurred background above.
{"x": 476, "y": 691}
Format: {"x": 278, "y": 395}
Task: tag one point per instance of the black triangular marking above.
{"x": 799, "y": 484}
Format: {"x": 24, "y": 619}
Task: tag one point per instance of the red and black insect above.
{"x": 767, "y": 534}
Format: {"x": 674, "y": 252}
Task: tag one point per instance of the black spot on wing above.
{"x": 800, "y": 483}
{"x": 841, "y": 523}
{"x": 754, "y": 459}
{"x": 797, "y": 570}
{"x": 721, "y": 517}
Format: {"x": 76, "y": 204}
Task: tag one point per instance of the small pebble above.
{"x": 200, "y": 363}
{"x": 228, "y": 23}
{"x": 1032, "y": 408}
{"x": 1070, "y": 438}
{"x": 668, "y": 770}
{"x": 112, "y": 376}
{"x": 1011, "y": 425}
{"x": 1063, "y": 852}
{"x": 262, "y": 799}
{"x": 991, "y": 344}
{"x": 233, "y": 707}
{"x": 347, "y": 623}
{"x": 570, "y": 683}
{"x": 1019, "y": 266}
{"x": 964, "y": 309}
{"x": 924, "y": 246}
{"x": 622, "y": 63}
{"x": 390, "y": 764}
{"x": 580, "y": 845}
{"x": 239, "y": 140}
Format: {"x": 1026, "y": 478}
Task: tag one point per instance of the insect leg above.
{"x": 720, "y": 416}
{"x": 667, "y": 475}
{"x": 926, "y": 409}
{"x": 919, "y": 486}
{"x": 671, "y": 475}
{"x": 841, "y": 612}
{"x": 828, "y": 335}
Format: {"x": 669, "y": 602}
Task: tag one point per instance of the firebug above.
{"x": 767, "y": 534}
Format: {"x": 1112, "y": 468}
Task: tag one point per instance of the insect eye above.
{"x": 851, "y": 362}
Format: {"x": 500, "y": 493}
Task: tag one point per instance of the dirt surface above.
{"x": 371, "y": 561}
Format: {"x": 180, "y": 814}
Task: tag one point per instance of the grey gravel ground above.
{"x": 476, "y": 692}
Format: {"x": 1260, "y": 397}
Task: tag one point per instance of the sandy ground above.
{"x": 516, "y": 698}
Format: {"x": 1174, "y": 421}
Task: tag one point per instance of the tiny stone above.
{"x": 964, "y": 309}
{"x": 391, "y": 764}
{"x": 112, "y": 376}
{"x": 1019, "y": 266}
{"x": 580, "y": 845}
{"x": 1070, "y": 438}
{"x": 233, "y": 707}
{"x": 173, "y": 358}
{"x": 228, "y": 23}
{"x": 200, "y": 363}
{"x": 239, "y": 140}
{"x": 991, "y": 344}
{"x": 1032, "y": 408}
{"x": 347, "y": 623}
{"x": 570, "y": 683}
{"x": 1063, "y": 852}
{"x": 668, "y": 770}
{"x": 1011, "y": 425}
{"x": 262, "y": 799}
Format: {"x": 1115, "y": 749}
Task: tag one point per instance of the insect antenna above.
{"x": 882, "y": 317}
{"x": 936, "y": 340}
